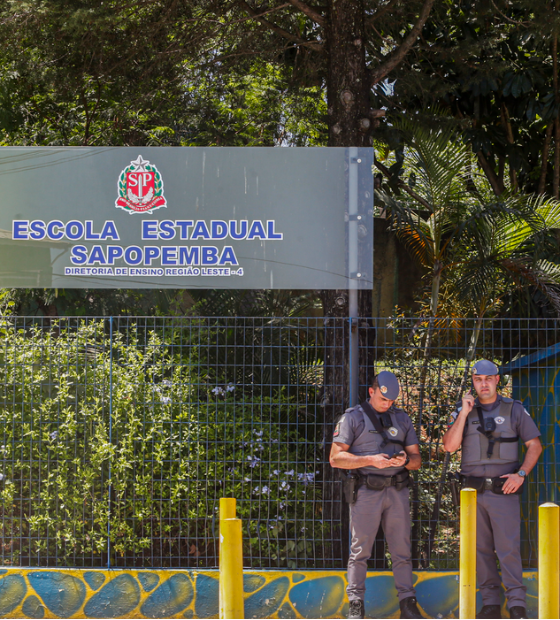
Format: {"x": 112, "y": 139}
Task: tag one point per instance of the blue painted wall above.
{"x": 71, "y": 593}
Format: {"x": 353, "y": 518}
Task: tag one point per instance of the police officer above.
{"x": 377, "y": 444}
{"x": 489, "y": 429}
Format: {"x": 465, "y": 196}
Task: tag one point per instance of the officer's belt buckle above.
{"x": 488, "y": 484}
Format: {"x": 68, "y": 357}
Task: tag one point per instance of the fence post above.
{"x": 467, "y": 555}
{"x": 549, "y": 560}
{"x": 231, "y": 570}
{"x": 228, "y": 507}
{"x": 110, "y": 486}
{"x": 353, "y": 260}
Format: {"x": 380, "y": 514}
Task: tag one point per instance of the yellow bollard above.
{"x": 467, "y": 555}
{"x": 231, "y": 572}
{"x": 549, "y": 560}
{"x": 228, "y": 508}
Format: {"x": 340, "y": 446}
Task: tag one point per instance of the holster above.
{"x": 455, "y": 485}
{"x": 350, "y": 487}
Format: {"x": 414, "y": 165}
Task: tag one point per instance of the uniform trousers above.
{"x": 498, "y": 533}
{"x": 391, "y": 508}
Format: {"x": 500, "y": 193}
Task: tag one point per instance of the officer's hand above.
{"x": 512, "y": 483}
{"x": 398, "y": 460}
{"x": 467, "y": 404}
{"x": 381, "y": 461}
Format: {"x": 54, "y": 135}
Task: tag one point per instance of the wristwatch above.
{"x": 522, "y": 473}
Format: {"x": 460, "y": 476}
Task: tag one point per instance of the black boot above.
{"x": 409, "y": 608}
{"x": 356, "y": 609}
{"x": 517, "y": 612}
{"x": 490, "y": 611}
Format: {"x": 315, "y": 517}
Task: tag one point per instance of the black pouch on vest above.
{"x": 402, "y": 480}
{"x": 472, "y": 482}
{"x": 498, "y": 487}
{"x": 377, "y": 483}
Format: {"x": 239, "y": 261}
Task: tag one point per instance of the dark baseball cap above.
{"x": 485, "y": 367}
{"x": 388, "y": 384}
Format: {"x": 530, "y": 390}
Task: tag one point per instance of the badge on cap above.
{"x": 500, "y": 420}
{"x": 383, "y": 389}
{"x": 393, "y": 431}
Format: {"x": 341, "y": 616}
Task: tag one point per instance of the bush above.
{"x": 119, "y": 448}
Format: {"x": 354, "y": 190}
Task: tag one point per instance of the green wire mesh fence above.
{"x": 119, "y": 435}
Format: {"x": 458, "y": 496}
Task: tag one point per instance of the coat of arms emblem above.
{"x": 140, "y": 188}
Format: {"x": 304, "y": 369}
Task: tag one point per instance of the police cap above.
{"x": 484, "y": 367}
{"x": 388, "y": 384}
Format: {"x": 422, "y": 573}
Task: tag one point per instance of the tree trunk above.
{"x": 349, "y": 124}
{"x": 544, "y": 163}
{"x": 556, "y": 171}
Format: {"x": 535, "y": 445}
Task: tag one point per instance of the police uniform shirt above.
{"x": 352, "y": 425}
{"x": 521, "y": 423}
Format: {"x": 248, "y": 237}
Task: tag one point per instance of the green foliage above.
{"x": 139, "y": 435}
{"x": 479, "y": 249}
{"x": 492, "y": 66}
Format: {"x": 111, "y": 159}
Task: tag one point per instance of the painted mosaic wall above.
{"x": 70, "y": 593}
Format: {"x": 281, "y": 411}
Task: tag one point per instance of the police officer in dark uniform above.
{"x": 489, "y": 429}
{"x": 376, "y": 444}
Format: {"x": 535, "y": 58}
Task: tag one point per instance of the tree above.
{"x": 494, "y": 67}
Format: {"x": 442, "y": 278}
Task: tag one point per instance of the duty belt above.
{"x": 378, "y": 483}
{"x": 486, "y": 484}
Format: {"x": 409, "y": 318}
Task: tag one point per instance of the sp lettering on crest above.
{"x": 140, "y": 188}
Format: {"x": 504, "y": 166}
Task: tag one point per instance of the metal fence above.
{"x": 119, "y": 435}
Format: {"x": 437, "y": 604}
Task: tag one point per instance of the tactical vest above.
{"x": 370, "y": 442}
{"x": 475, "y": 444}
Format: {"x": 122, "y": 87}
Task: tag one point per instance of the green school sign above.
{"x": 159, "y": 217}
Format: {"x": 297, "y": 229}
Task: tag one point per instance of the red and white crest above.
{"x": 140, "y": 188}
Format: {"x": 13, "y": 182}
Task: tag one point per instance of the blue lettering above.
{"x": 184, "y": 225}
{"x": 149, "y": 229}
{"x": 151, "y": 252}
{"x": 219, "y": 229}
{"x": 130, "y": 250}
{"x": 168, "y": 255}
{"x": 228, "y": 256}
{"x": 78, "y": 255}
{"x": 200, "y": 230}
{"x": 38, "y": 230}
{"x": 74, "y": 230}
{"x": 270, "y": 229}
{"x": 256, "y": 231}
{"x": 97, "y": 256}
{"x": 114, "y": 252}
{"x": 90, "y": 235}
{"x": 19, "y": 229}
{"x": 209, "y": 255}
{"x": 166, "y": 229}
{"x": 233, "y": 229}
{"x": 51, "y": 230}
{"x": 189, "y": 256}
{"x": 110, "y": 231}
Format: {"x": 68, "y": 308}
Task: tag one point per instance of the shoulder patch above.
{"x": 337, "y": 427}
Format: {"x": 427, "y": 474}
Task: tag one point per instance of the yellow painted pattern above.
{"x": 71, "y": 593}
